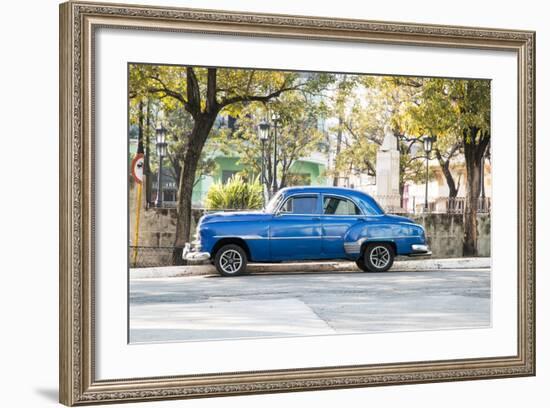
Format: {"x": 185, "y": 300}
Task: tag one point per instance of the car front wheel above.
{"x": 230, "y": 260}
{"x": 378, "y": 257}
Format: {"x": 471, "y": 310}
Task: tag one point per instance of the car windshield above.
{"x": 274, "y": 203}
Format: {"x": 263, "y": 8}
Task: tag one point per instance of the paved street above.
{"x": 298, "y": 304}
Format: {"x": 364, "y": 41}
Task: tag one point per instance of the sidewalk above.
{"x": 411, "y": 265}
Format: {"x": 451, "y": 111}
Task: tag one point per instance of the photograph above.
{"x": 272, "y": 203}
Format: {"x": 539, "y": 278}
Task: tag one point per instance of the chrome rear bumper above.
{"x": 420, "y": 250}
{"x": 190, "y": 255}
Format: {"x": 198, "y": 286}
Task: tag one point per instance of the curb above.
{"x": 341, "y": 266}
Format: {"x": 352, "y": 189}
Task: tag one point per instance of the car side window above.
{"x": 339, "y": 206}
{"x": 300, "y": 205}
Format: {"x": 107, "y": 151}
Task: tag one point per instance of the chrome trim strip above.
{"x": 240, "y": 236}
{"x": 301, "y": 215}
{"x": 392, "y": 238}
{"x": 252, "y": 237}
{"x": 313, "y": 237}
{"x": 354, "y": 247}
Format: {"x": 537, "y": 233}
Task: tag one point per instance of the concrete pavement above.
{"x": 297, "y": 303}
{"x": 401, "y": 264}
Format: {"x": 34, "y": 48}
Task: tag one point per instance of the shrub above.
{"x": 236, "y": 194}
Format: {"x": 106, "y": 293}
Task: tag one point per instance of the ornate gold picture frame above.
{"x": 78, "y": 24}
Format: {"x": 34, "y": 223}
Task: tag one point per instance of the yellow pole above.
{"x": 136, "y": 236}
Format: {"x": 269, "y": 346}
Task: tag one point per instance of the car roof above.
{"x": 321, "y": 189}
{"x": 359, "y": 195}
{"x": 343, "y": 191}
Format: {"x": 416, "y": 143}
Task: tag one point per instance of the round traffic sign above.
{"x": 137, "y": 168}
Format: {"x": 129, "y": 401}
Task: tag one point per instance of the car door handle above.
{"x": 316, "y": 218}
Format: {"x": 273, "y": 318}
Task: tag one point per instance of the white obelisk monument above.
{"x": 387, "y": 171}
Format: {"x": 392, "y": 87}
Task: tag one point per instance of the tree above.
{"x": 297, "y": 136}
{"x": 458, "y": 112}
{"x": 472, "y": 101}
{"x": 340, "y": 101}
{"x": 411, "y": 119}
{"x": 204, "y": 93}
{"x": 444, "y": 157}
{"x": 382, "y": 102}
{"x": 179, "y": 125}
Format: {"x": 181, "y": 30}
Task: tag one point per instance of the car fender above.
{"x": 401, "y": 233}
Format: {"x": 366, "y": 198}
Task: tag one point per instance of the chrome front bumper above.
{"x": 420, "y": 250}
{"x": 190, "y": 255}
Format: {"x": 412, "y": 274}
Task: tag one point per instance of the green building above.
{"x": 307, "y": 171}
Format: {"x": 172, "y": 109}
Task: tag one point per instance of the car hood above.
{"x": 234, "y": 216}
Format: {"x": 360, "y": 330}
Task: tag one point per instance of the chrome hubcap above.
{"x": 380, "y": 257}
{"x": 231, "y": 261}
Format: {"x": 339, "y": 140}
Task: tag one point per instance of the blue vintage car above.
{"x": 307, "y": 223}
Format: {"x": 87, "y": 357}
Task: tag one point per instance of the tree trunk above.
{"x": 335, "y": 180}
{"x": 269, "y": 169}
{"x": 201, "y": 129}
{"x": 473, "y": 156}
{"x": 282, "y": 183}
{"x": 470, "y": 210}
{"x": 444, "y": 164}
{"x": 284, "y": 172}
{"x": 147, "y": 163}
{"x": 140, "y": 127}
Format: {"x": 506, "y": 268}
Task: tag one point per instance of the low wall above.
{"x": 157, "y": 226}
{"x": 445, "y": 233}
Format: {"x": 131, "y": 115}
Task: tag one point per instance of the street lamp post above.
{"x": 263, "y": 134}
{"x": 428, "y": 143}
{"x": 275, "y": 119}
{"x": 161, "y": 152}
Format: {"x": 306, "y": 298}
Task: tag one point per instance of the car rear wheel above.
{"x": 361, "y": 264}
{"x": 230, "y": 260}
{"x": 378, "y": 257}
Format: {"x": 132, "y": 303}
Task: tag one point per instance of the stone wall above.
{"x": 157, "y": 226}
{"x": 445, "y": 233}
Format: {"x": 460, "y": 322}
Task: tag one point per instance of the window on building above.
{"x": 339, "y": 206}
{"x": 301, "y": 205}
{"x": 169, "y": 195}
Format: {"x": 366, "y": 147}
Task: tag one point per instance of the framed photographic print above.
{"x": 256, "y": 203}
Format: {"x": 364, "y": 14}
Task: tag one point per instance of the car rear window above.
{"x": 339, "y": 206}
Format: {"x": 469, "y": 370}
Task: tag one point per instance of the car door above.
{"x": 339, "y": 214}
{"x": 295, "y": 230}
